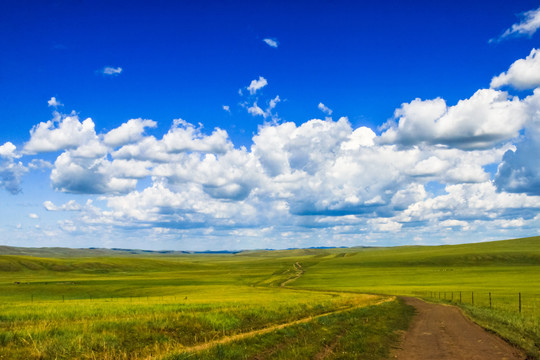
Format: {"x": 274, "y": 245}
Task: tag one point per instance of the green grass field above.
{"x": 102, "y": 304}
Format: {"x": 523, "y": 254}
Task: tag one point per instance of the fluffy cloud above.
{"x": 128, "y": 132}
{"x": 111, "y": 71}
{"x": 8, "y": 150}
{"x": 271, "y": 42}
{"x": 325, "y": 109}
{"x": 54, "y": 103}
{"x": 256, "y": 85}
{"x": 255, "y": 110}
{"x": 484, "y": 120}
{"x": 62, "y": 132}
{"x": 520, "y": 170}
{"x": 71, "y": 205}
{"x": 11, "y": 171}
{"x": 527, "y": 26}
{"x": 81, "y": 175}
{"x": 184, "y": 137}
{"x": 429, "y": 173}
{"x": 470, "y": 202}
{"x": 522, "y": 74}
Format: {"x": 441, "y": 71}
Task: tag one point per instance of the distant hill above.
{"x": 61, "y": 252}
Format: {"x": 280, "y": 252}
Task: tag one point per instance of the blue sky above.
{"x": 229, "y": 125}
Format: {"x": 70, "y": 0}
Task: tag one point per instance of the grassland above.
{"x": 101, "y": 304}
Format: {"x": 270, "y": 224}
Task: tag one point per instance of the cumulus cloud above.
{"x": 519, "y": 170}
{"x": 522, "y": 74}
{"x": 184, "y": 137}
{"x": 71, "y": 205}
{"x": 54, "y": 103}
{"x": 470, "y": 202}
{"x": 11, "y": 171}
{"x": 129, "y": 132}
{"x": 255, "y": 110}
{"x": 111, "y": 71}
{"x": 81, "y": 175}
{"x": 11, "y": 174}
{"x": 484, "y": 120}
{"x": 429, "y": 171}
{"x": 530, "y": 22}
{"x": 226, "y": 108}
{"x": 33, "y": 216}
{"x": 325, "y": 109}
{"x": 67, "y": 226}
{"x": 256, "y": 85}
{"x": 39, "y": 164}
{"x": 62, "y": 132}
{"x": 8, "y": 150}
{"x": 271, "y": 42}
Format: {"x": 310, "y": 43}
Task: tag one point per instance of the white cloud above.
{"x": 467, "y": 202}
{"x": 8, "y": 150}
{"x": 520, "y": 170}
{"x": 54, "y": 103}
{"x": 271, "y": 42}
{"x": 83, "y": 175}
{"x": 33, "y": 216}
{"x": 486, "y": 119}
{"x": 129, "y": 132}
{"x": 256, "y": 85}
{"x": 39, "y": 164}
{"x": 385, "y": 225}
{"x": 426, "y": 175}
{"x": 527, "y": 26}
{"x": 454, "y": 223}
{"x": 67, "y": 225}
{"x": 226, "y": 108}
{"x": 111, "y": 70}
{"x": 255, "y": 110}
{"x": 71, "y": 205}
{"x": 184, "y": 137}
{"x": 11, "y": 172}
{"x": 325, "y": 109}
{"x": 62, "y": 132}
{"x": 522, "y": 74}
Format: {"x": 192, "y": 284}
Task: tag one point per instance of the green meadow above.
{"x": 303, "y": 304}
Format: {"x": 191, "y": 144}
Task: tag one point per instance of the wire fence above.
{"x": 525, "y": 303}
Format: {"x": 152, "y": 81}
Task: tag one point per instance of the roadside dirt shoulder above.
{"x": 440, "y": 332}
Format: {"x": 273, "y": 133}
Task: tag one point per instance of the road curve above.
{"x": 440, "y": 332}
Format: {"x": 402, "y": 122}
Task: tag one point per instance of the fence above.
{"x": 524, "y": 303}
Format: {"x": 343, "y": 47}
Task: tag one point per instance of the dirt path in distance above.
{"x": 440, "y": 332}
{"x": 298, "y": 272}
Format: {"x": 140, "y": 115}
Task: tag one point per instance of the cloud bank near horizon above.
{"x": 322, "y": 182}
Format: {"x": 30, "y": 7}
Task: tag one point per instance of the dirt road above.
{"x": 440, "y": 332}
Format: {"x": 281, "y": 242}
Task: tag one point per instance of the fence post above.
{"x": 520, "y": 303}
{"x": 472, "y": 298}
{"x": 490, "y": 300}
{"x": 452, "y": 299}
{"x": 32, "y": 296}
{"x": 63, "y": 298}
{"x": 460, "y": 297}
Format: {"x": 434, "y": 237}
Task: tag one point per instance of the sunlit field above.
{"x": 313, "y": 303}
